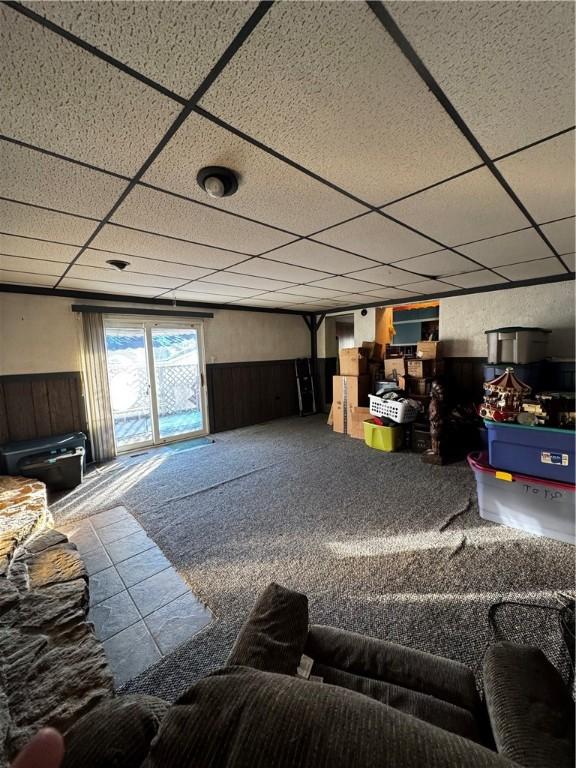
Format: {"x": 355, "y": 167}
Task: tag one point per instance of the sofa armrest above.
{"x": 274, "y": 635}
{"x": 530, "y": 708}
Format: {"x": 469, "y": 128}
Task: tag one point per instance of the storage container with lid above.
{"x": 517, "y": 344}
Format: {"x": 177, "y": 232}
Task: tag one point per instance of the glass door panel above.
{"x": 177, "y": 381}
{"x": 127, "y": 360}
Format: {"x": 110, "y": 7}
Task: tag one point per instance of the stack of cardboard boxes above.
{"x": 358, "y": 369}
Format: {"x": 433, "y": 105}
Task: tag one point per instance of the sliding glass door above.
{"x": 156, "y": 382}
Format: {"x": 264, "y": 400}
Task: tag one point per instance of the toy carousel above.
{"x": 503, "y": 397}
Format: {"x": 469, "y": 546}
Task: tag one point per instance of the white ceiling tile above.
{"x": 247, "y": 281}
{"x": 543, "y": 177}
{"x": 388, "y": 276}
{"x": 377, "y": 237}
{"x": 280, "y": 297}
{"x": 306, "y": 253}
{"x": 203, "y": 298}
{"x": 169, "y": 31}
{"x": 355, "y": 298}
{"x": 183, "y": 272}
{"x": 127, "y": 277}
{"x": 120, "y": 289}
{"x": 392, "y": 293}
{"x": 341, "y": 99}
{"x": 508, "y": 68}
{"x": 431, "y": 287}
{"x": 40, "y": 179}
{"x": 11, "y": 245}
{"x": 26, "y": 278}
{"x": 220, "y": 288}
{"x": 257, "y": 301}
{"x": 346, "y": 284}
{"x": 167, "y": 215}
{"x": 508, "y": 249}
{"x": 570, "y": 260}
{"x": 19, "y": 264}
{"x": 269, "y": 190}
{"x": 562, "y": 235}
{"x": 276, "y": 270}
{"x": 24, "y": 220}
{"x": 533, "y": 269}
{"x": 474, "y": 280}
{"x": 312, "y": 291}
{"x": 437, "y": 264}
{"x": 467, "y": 208}
{"x": 59, "y": 97}
{"x": 132, "y": 242}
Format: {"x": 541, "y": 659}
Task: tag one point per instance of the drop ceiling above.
{"x": 384, "y": 151}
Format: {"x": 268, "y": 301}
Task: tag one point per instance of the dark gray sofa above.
{"x": 379, "y": 704}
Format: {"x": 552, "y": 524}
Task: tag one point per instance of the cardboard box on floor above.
{"x": 358, "y": 416}
{"x": 347, "y": 392}
{"x": 353, "y": 361}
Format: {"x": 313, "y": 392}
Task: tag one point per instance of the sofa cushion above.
{"x": 273, "y": 637}
{"x": 435, "y": 711}
{"x": 530, "y": 708}
{"x": 241, "y": 717}
{"x": 117, "y": 732}
{"x": 419, "y": 671}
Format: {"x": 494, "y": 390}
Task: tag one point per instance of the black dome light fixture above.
{"x": 118, "y": 264}
{"x": 217, "y": 181}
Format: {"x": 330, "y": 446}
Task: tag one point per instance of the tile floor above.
{"x": 140, "y": 607}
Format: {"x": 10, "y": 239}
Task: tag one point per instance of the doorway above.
{"x": 156, "y": 378}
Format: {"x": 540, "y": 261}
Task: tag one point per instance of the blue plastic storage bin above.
{"x": 538, "y": 451}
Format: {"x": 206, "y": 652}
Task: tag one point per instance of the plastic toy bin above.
{"x": 382, "y": 438}
{"x": 538, "y": 506}
{"x": 540, "y": 451}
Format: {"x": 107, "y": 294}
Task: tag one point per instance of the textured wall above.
{"x": 41, "y": 334}
{"x": 463, "y": 319}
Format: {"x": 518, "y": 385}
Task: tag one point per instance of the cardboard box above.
{"x": 420, "y": 368}
{"x": 374, "y": 350}
{"x": 428, "y": 350}
{"x": 394, "y": 367}
{"x": 356, "y": 424}
{"x": 348, "y": 392}
{"x": 353, "y": 361}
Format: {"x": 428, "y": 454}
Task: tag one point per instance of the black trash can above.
{"x": 61, "y": 471}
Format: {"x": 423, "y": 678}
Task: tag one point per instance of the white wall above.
{"x": 41, "y": 334}
{"x": 364, "y": 330}
{"x": 463, "y": 319}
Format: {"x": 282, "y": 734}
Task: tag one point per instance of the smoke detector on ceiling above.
{"x": 217, "y": 181}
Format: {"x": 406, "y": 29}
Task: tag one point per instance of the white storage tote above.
{"x": 543, "y": 507}
{"x": 399, "y": 411}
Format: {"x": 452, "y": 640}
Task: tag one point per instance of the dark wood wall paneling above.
{"x": 41, "y": 405}
{"x": 240, "y": 394}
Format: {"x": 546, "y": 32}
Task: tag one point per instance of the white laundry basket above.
{"x": 399, "y": 411}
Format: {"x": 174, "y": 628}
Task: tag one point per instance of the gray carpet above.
{"x": 381, "y": 543}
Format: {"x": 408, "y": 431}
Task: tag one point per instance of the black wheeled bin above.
{"x": 58, "y": 461}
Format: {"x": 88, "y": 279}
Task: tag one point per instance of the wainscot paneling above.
{"x": 327, "y": 367}
{"x": 240, "y": 394}
{"x": 41, "y": 405}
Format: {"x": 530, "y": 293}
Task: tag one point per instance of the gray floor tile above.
{"x": 96, "y": 560}
{"x": 113, "y": 615}
{"x": 130, "y": 652}
{"x": 110, "y": 516}
{"x": 142, "y": 566}
{"x": 128, "y": 546}
{"x": 162, "y": 588}
{"x": 104, "y": 584}
{"x": 119, "y": 530}
{"x": 178, "y": 621}
{"x": 82, "y": 534}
